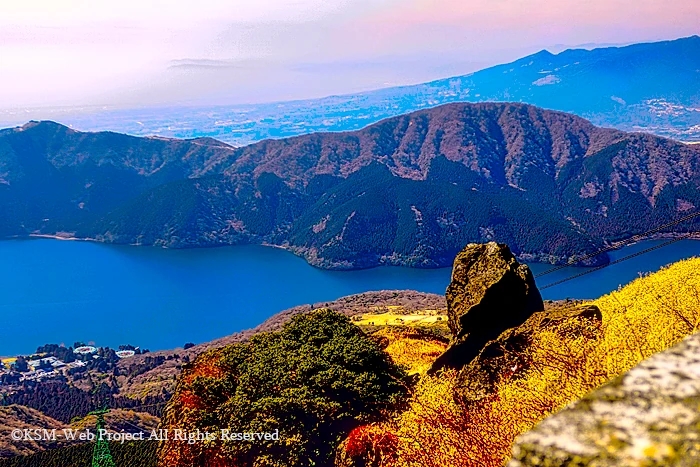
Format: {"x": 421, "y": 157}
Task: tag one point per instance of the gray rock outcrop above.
{"x": 650, "y": 416}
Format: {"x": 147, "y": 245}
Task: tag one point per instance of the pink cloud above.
{"x": 540, "y": 20}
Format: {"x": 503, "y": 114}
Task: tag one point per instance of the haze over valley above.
{"x": 650, "y": 87}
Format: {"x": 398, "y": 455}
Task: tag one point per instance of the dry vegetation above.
{"x": 18, "y": 417}
{"x": 394, "y": 318}
{"x": 441, "y": 427}
{"x": 119, "y": 420}
{"x": 14, "y": 417}
{"x": 413, "y": 349}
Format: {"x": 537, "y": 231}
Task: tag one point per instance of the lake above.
{"x": 62, "y": 291}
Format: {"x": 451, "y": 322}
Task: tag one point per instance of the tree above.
{"x": 21, "y": 365}
{"x": 314, "y": 381}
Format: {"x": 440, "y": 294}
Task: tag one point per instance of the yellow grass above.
{"x": 647, "y": 316}
{"x": 414, "y": 351}
{"x": 394, "y": 319}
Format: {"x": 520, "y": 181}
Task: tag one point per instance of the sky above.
{"x": 169, "y": 52}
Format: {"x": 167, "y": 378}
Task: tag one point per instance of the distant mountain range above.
{"x": 410, "y": 190}
{"x": 650, "y": 87}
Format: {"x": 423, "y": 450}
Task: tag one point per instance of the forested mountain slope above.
{"x": 409, "y": 190}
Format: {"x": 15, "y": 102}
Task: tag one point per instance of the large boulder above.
{"x": 647, "y": 417}
{"x": 490, "y": 292}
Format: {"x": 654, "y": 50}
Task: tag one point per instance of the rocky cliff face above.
{"x": 410, "y": 190}
{"x": 648, "y": 416}
{"x": 490, "y": 292}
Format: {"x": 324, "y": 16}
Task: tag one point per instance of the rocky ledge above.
{"x": 650, "y": 416}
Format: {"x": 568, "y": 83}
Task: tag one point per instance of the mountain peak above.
{"x": 42, "y": 124}
{"x": 543, "y": 53}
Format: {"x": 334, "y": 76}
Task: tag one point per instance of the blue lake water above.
{"x": 62, "y": 291}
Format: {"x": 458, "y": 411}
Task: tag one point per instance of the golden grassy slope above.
{"x": 395, "y": 319}
{"x": 441, "y": 429}
{"x": 411, "y": 348}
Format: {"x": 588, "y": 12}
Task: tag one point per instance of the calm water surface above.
{"x": 61, "y": 291}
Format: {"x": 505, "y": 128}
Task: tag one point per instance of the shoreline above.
{"x": 658, "y": 236}
{"x": 290, "y": 249}
{"x": 56, "y": 237}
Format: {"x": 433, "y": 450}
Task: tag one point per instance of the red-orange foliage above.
{"x": 374, "y": 444}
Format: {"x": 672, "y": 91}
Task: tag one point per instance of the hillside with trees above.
{"x": 410, "y": 190}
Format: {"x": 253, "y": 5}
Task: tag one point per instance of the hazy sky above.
{"x": 142, "y": 52}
